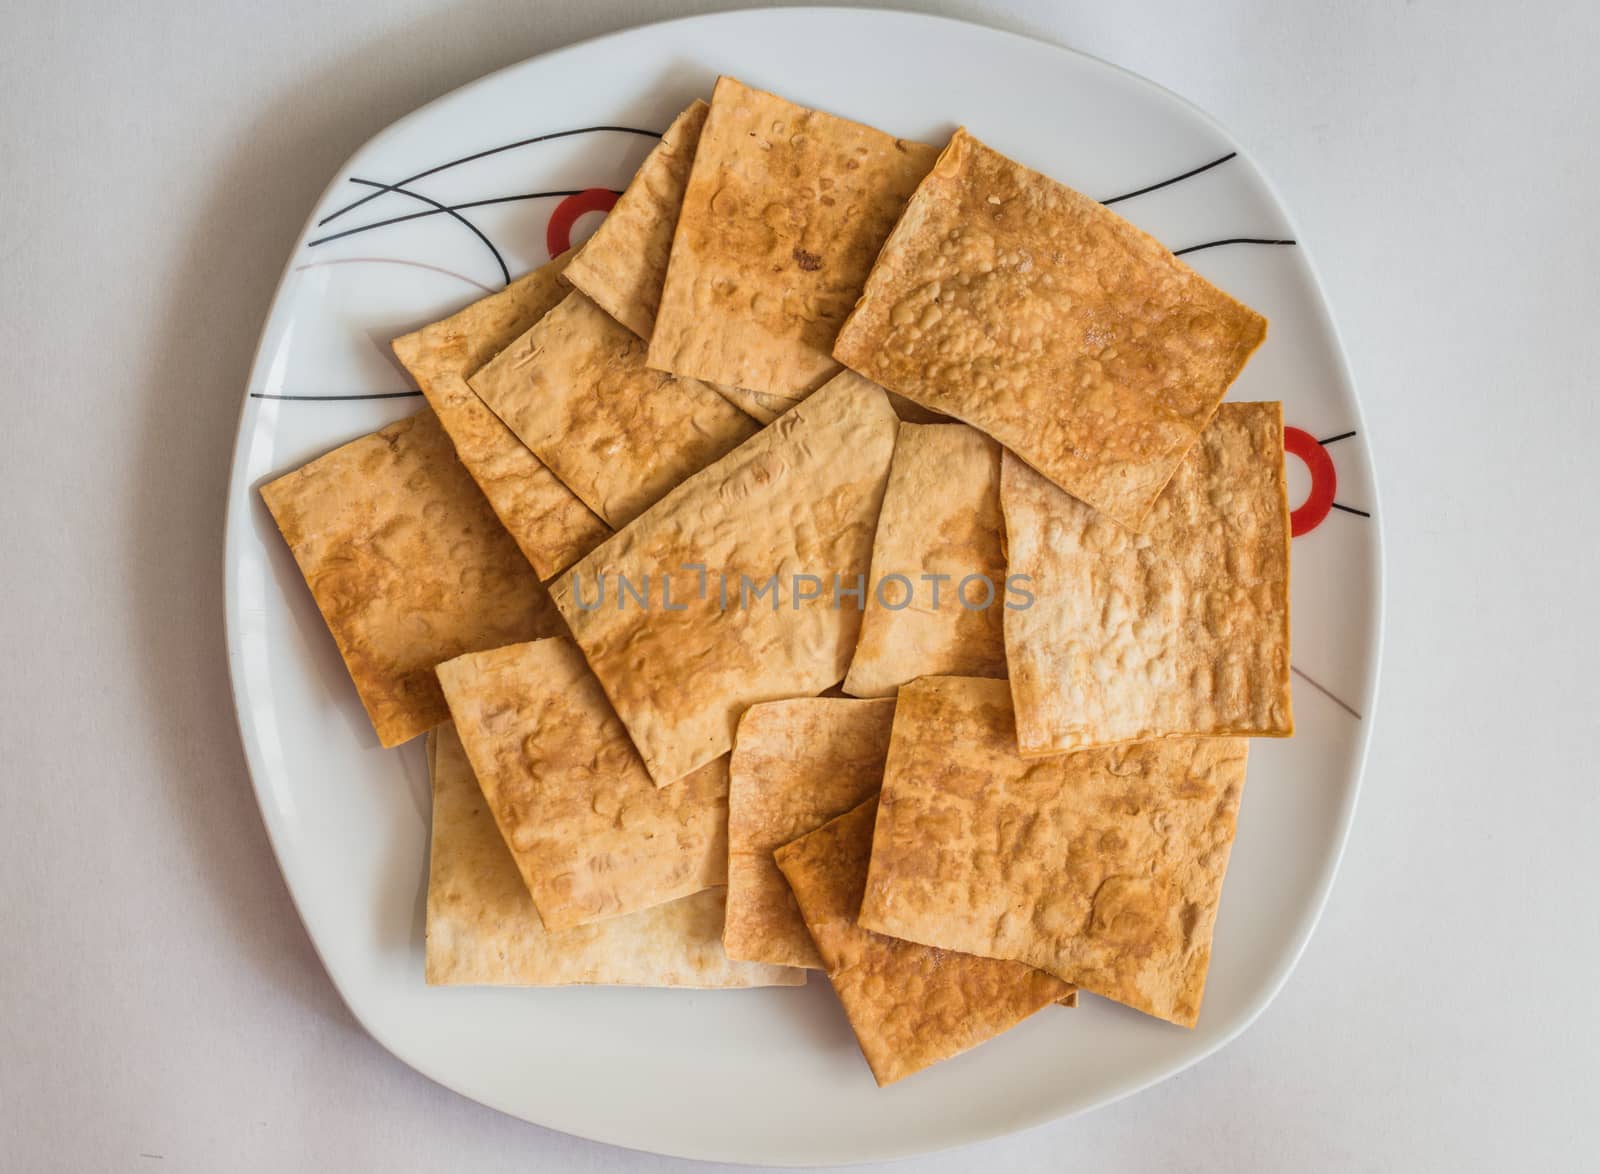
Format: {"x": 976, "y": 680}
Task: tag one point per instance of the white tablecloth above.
{"x": 160, "y": 1006}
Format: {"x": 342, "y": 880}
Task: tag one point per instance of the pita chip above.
{"x": 623, "y": 266}
{"x": 408, "y": 566}
{"x": 576, "y": 390}
{"x": 1042, "y": 318}
{"x": 551, "y": 525}
{"x": 796, "y": 764}
{"x": 741, "y": 565}
{"x": 483, "y": 929}
{"x": 1102, "y": 867}
{"x": 592, "y": 836}
{"x": 784, "y": 212}
{"x": 909, "y": 1005}
{"x": 1180, "y": 631}
{"x": 940, "y": 531}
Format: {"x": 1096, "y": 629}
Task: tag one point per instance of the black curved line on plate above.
{"x": 1342, "y": 436}
{"x": 333, "y": 236}
{"x": 1232, "y": 240}
{"x": 560, "y": 134}
{"x": 364, "y": 395}
{"x": 471, "y": 227}
{"x": 1350, "y": 509}
{"x": 1155, "y": 187}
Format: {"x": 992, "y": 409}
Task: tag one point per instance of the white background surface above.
{"x": 161, "y": 1008}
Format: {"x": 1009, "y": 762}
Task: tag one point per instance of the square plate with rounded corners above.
{"x": 483, "y": 183}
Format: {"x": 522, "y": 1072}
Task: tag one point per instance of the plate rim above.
{"x": 238, "y": 495}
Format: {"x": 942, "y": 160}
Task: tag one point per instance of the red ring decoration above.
{"x": 558, "y": 234}
{"x": 1324, "y": 481}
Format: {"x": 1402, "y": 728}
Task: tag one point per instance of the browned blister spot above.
{"x": 408, "y": 565}
{"x": 909, "y": 1005}
{"x": 1035, "y": 314}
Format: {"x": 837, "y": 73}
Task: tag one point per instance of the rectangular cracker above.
{"x": 1037, "y": 315}
{"x": 941, "y": 532}
{"x": 785, "y": 210}
{"x": 1102, "y": 867}
{"x": 796, "y": 764}
{"x": 483, "y": 929}
{"x": 623, "y": 266}
{"x": 909, "y": 1005}
{"x": 408, "y": 566}
{"x": 576, "y": 391}
{"x": 800, "y": 498}
{"x": 550, "y": 524}
{"x": 592, "y": 836}
{"x": 1181, "y": 631}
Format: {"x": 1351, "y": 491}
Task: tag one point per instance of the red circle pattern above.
{"x": 1324, "y": 481}
{"x": 558, "y": 234}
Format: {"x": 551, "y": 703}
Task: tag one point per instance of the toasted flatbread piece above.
{"x": 1102, "y": 867}
{"x": 785, "y": 210}
{"x": 408, "y": 566}
{"x": 483, "y": 929}
{"x": 909, "y": 1005}
{"x": 1037, "y": 315}
{"x": 941, "y": 533}
{"x": 737, "y": 544}
{"x": 593, "y": 837}
{"x": 624, "y": 264}
{"x": 550, "y": 524}
{"x": 576, "y": 391}
{"x": 1180, "y": 631}
{"x": 796, "y": 764}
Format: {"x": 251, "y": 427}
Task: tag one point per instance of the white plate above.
{"x": 770, "y": 1075}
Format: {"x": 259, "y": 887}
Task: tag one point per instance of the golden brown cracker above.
{"x": 784, "y": 212}
{"x": 551, "y": 526}
{"x": 938, "y": 566}
{"x": 909, "y": 1005}
{"x": 796, "y": 764}
{"x": 1102, "y": 867}
{"x": 592, "y": 835}
{"x": 1042, "y": 318}
{"x": 799, "y": 499}
{"x": 408, "y": 566}
{"x": 482, "y": 928}
{"x": 624, "y": 264}
{"x": 576, "y": 391}
{"x": 1180, "y": 631}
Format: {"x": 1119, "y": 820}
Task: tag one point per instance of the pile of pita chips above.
{"x": 816, "y": 407}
